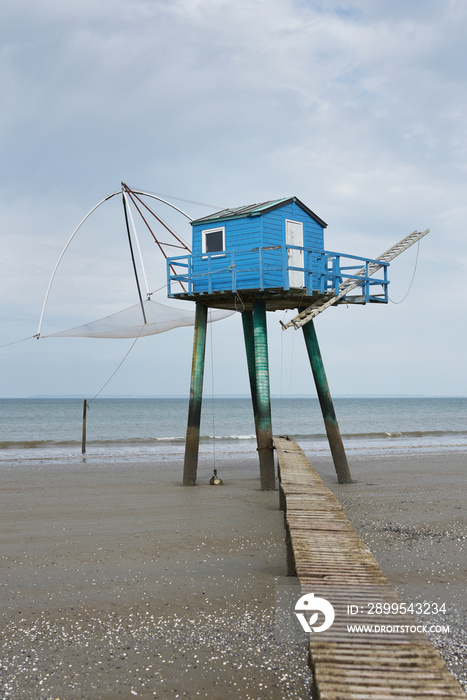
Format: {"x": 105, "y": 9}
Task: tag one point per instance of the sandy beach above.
{"x": 411, "y": 511}
{"x": 119, "y": 582}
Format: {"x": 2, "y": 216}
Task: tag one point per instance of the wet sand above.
{"x": 119, "y": 582}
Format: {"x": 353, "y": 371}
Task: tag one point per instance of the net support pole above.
{"x": 263, "y": 399}
{"x": 327, "y": 407}
{"x": 196, "y": 394}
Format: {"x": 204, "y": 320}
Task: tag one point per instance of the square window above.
{"x": 213, "y": 240}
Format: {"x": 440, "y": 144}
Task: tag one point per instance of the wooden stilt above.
{"x": 196, "y": 395}
{"x": 327, "y": 407}
{"x": 248, "y": 334}
{"x": 263, "y": 409}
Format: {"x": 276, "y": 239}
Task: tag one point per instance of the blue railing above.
{"x": 270, "y": 267}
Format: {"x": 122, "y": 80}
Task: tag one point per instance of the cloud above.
{"x": 357, "y": 107}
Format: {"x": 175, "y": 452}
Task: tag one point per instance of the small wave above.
{"x": 231, "y": 437}
{"x": 134, "y": 441}
{"x": 36, "y": 444}
{"x": 409, "y": 434}
{"x": 204, "y": 438}
{"x": 389, "y": 435}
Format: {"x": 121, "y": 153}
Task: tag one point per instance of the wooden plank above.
{"x": 330, "y": 559}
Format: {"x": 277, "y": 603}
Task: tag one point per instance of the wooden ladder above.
{"x": 345, "y": 287}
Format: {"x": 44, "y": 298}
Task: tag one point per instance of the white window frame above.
{"x": 204, "y": 233}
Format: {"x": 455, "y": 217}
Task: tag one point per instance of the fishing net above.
{"x": 146, "y": 318}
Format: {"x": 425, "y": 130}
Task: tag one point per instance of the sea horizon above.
{"x": 131, "y": 428}
{"x": 238, "y": 396}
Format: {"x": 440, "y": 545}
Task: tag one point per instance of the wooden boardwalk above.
{"x": 332, "y": 562}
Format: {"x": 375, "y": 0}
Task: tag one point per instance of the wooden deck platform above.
{"x": 275, "y": 299}
{"x": 332, "y": 562}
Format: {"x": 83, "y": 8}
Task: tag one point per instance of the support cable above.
{"x": 114, "y": 372}
{"x": 21, "y": 340}
{"x": 212, "y": 394}
{"x": 290, "y": 377}
{"x": 188, "y": 201}
{"x": 133, "y": 257}
{"x": 87, "y": 404}
{"x": 411, "y": 281}
{"x": 281, "y": 414}
{"x": 138, "y": 246}
{"x": 131, "y": 193}
{"x": 134, "y": 196}
{"x": 150, "y": 194}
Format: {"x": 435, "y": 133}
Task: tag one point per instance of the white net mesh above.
{"x": 132, "y": 323}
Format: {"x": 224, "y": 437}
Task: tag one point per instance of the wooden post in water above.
{"x": 327, "y": 408}
{"x": 263, "y": 398}
{"x": 196, "y": 396}
{"x": 83, "y": 438}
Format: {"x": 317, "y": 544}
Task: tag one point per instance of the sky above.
{"x": 356, "y": 107}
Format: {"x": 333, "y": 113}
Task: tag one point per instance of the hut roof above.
{"x": 255, "y": 210}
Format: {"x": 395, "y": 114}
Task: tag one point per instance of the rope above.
{"x": 115, "y": 372}
{"x": 411, "y": 281}
{"x": 281, "y": 414}
{"x": 188, "y": 201}
{"x": 137, "y": 245}
{"x": 238, "y": 298}
{"x": 18, "y": 341}
{"x": 285, "y": 415}
{"x": 125, "y": 210}
{"x": 212, "y": 397}
{"x": 290, "y": 376}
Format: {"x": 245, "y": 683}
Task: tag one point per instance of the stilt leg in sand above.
{"x": 248, "y": 334}
{"x": 327, "y": 408}
{"x": 196, "y": 396}
{"x": 263, "y": 416}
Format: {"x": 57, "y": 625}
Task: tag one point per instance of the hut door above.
{"x": 294, "y": 236}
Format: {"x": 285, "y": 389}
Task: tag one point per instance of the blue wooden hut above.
{"x": 248, "y": 247}
{"x": 274, "y": 249}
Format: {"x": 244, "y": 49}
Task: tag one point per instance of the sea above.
{"x": 129, "y": 429}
